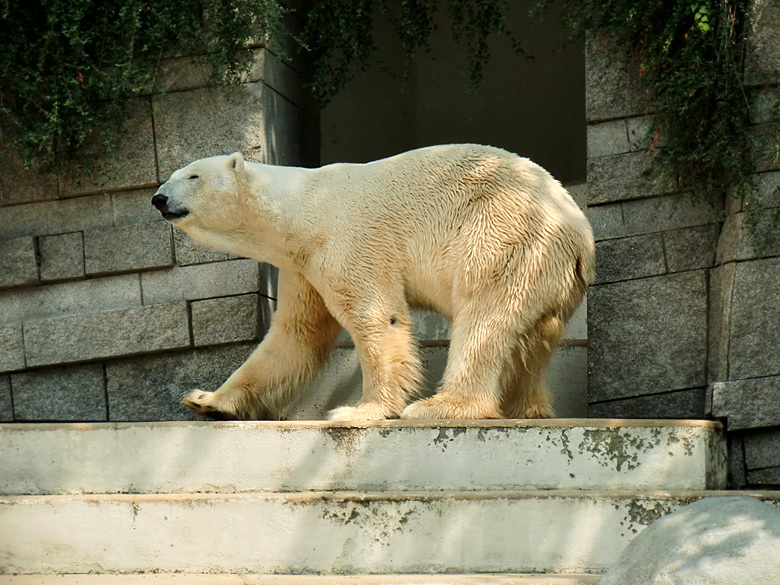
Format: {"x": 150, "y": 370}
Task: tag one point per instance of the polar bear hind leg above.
{"x": 524, "y": 392}
{"x": 496, "y": 368}
{"x": 509, "y": 313}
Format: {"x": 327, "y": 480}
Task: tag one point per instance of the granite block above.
{"x": 75, "y": 393}
{"x": 749, "y": 235}
{"x": 691, "y": 248}
{"x": 130, "y": 162}
{"x": 11, "y": 347}
{"x": 134, "y": 206}
{"x": 606, "y": 138}
{"x": 128, "y": 248}
{"x": 62, "y": 256}
{"x": 682, "y": 404}
{"x": 55, "y": 217}
{"x": 70, "y": 298}
{"x": 6, "y": 403}
{"x": 721, "y": 290}
{"x": 647, "y": 336}
{"x": 671, "y": 212}
{"x": 629, "y": 258}
{"x": 736, "y": 452}
{"x": 225, "y": 320}
{"x": 118, "y": 332}
{"x": 762, "y": 62}
{"x": 150, "y": 388}
{"x": 762, "y": 448}
{"x": 20, "y": 185}
{"x": 18, "y": 263}
{"x": 747, "y": 404}
{"x": 761, "y": 477}
{"x": 614, "y": 88}
{"x": 754, "y": 348}
{"x": 622, "y": 177}
{"x": 606, "y": 221}
{"x": 200, "y": 281}
{"x": 763, "y": 145}
{"x": 205, "y": 122}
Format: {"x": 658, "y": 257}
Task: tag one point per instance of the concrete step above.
{"x": 195, "y": 579}
{"x": 231, "y": 457}
{"x": 329, "y": 533}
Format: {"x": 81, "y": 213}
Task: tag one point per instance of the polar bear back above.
{"x": 430, "y": 191}
{"x": 434, "y": 213}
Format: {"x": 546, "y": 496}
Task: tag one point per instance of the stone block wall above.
{"x": 745, "y": 308}
{"x": 684, "y": 317}
{"x": 647, "y": 311}
{"x": 106, "y": 311}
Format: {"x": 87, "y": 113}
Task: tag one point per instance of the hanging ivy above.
{"x": 68, "y": 65}
{"x": 690, "y": 54}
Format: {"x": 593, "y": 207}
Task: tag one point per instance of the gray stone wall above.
{"x": 744, "y": 351}
{"x": 106, "y": 311}
{"x": 684, "y": 317}
{"x": 647, "y": 311}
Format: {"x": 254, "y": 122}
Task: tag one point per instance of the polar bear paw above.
{"x": 201, "y": 403}
{"x": 368, "y": 411}
{"x": 540, "y": 410}
{"x": 439, "y": 408}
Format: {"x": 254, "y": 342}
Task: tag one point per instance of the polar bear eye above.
{"x": 194, "y": 177}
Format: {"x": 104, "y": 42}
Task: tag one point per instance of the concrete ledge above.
{"x": 395, "y": 423}
{"x": 222, "y": 579}
{"x": 578, "y": 454}
{"x": 332, "y": 533}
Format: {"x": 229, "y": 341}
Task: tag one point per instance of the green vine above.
{"x": 691, "y": 55}
{"x": 68, "y": 65}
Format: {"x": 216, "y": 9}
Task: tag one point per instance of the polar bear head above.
{"x": 205, "y": 194}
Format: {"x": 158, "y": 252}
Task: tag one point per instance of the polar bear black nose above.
{"x": 160, "y": 201}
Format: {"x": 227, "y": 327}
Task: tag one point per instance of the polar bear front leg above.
{"x": 296, "y": 347}
{"x": 389, "y": 361}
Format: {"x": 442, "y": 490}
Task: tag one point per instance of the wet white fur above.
{"x": 485, "y": 237}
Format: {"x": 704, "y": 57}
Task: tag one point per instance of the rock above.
{"x": 715, "y": 541}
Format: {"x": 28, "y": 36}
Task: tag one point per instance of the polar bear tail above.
{"x": 586, "y": 262}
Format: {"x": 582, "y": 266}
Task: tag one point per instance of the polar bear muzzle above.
{"x": 169, "y": 210}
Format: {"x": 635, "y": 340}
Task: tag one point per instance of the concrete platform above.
{"x": 193, "y": 579}
{"x": 329, "y": 533}
{"x": 235, "y": 457}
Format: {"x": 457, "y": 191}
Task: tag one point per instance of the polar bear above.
{"x": 485, "y": 237}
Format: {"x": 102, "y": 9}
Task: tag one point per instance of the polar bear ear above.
{"x": 236, "y": 162}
